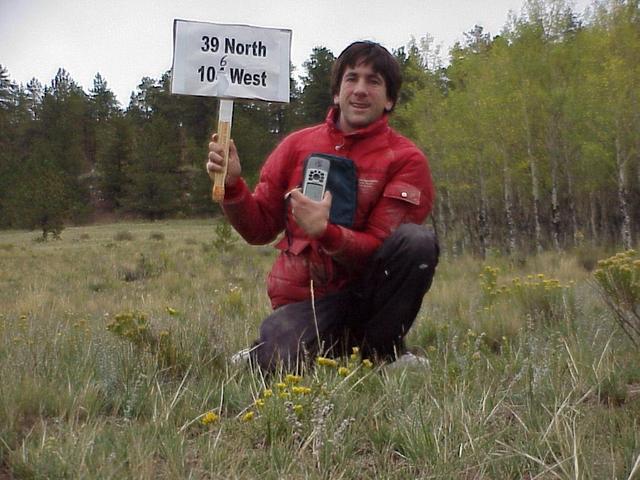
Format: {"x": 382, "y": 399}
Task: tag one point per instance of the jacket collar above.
{"x": 372, "y": 129}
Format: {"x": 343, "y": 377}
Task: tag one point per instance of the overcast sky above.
{"x": 125, "y": 40}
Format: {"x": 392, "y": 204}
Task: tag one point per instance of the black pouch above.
{"x": 343, "y": 185}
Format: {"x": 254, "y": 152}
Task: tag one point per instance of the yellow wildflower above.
{"x": 343, "y": 371}
{"x": 268, "y": 393}
{"x": 326, "y": 362}
{"x": 301, "y": 390}
{"x": 259, "y": 402}
{"x": 367, "y": 363}
{"x": 209, "y": 417}
{"x": 297, "y": 408}
{"x": 281, "y": 385}
{"x": 292, "y": 379}
{"x": 247, "y": 417}
{"x": 172, "y": 311}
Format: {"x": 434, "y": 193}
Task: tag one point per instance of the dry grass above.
{"x": 506, "y": 395}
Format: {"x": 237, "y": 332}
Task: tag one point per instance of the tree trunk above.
{"x": 555, "y": 207}
{"x": 483, "y": 227}
{"x": 468, "y": 233}
{"x": 625, "y": 227}
{"x": 535, "y": 189}
{"x": 592, "y": 217}
{"x": 441, "y": 223}
{"x": 571, "y": 201}
{"x": 452, "y": 220}
{"x": 553, "y": 129}
{"x": 508, "y": 208}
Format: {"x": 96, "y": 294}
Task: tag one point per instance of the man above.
{"x": 338, "y": 284}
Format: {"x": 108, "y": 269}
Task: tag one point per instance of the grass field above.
{"x": 114, "y": 347}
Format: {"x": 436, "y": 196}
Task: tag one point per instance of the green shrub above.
{"x": 145, "y": 267}
{"x": 225, "y": 239}
{"x": 544, "y": 300}
{"x": 618, "y": 280}
{"x": 135, "y": 327}
{"x": 123, "y": 235}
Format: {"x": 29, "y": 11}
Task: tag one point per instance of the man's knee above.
{"x": 279, "y": 341}
{"x": 416, "y": 242}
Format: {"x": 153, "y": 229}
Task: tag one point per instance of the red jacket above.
{"x": 394, "y": 187}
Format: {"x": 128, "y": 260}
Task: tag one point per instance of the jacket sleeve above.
{"x": 407, "y": 198}
{"x": 260, "y": 216}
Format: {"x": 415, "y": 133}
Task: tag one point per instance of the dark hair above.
{"x": 368, "y": 53}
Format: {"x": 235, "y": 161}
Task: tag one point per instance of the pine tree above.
{"x": 61, "y": 131}
{"x": 154, "y": 188}
{"x": 114, "y": 157}
{"x": 315, "y": 97}
{"x": 7, "y": 132}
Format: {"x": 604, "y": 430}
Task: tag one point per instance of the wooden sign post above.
{"x": 230, "y": 61}
{"x": 225, "y": 117}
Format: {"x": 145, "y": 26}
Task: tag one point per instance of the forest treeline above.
{"x": 533, "y": 136}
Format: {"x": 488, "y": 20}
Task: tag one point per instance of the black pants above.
{"x": 374, "y": 314}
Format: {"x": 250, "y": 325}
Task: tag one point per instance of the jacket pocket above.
{"x": 403, "y": 191}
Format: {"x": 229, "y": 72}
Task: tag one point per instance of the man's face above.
{"x": 362, "y": 97}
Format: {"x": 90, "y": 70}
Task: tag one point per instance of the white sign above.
{"x": 230, "y": 61}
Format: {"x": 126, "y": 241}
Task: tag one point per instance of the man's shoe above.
{"x": 408, "y": 359}
{"x": 241, "y": 357}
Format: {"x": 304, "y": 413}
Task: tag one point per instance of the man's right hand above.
{"x": 215, "y": 160}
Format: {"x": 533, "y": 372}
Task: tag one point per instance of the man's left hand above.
{"x": 312, "y": 216}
